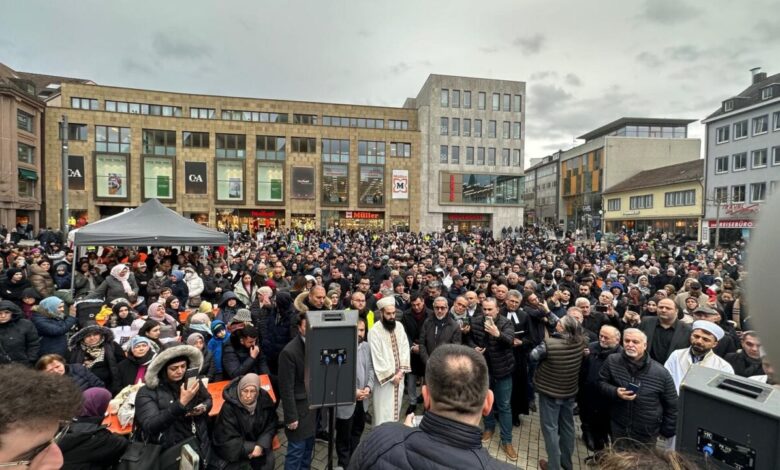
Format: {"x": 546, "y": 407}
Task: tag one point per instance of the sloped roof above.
{"x": 672, "y": 174}
{"x": 749, "y": 96}
{"x": 41, "y": 82}
{"x": 150, "y": 224}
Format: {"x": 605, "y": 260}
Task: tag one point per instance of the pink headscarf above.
{"x": 116, "y": 271}
{"x": 160, "y": 317}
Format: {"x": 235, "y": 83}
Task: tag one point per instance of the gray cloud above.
{"x": 573, "y": 80}
{"x": 766, "y": 30}
{"x": 648, "y": 59}
{"x": 133, "y": 66}
{"x": 530, "y": 44}
{"x": 668, "y": 11}
{"x": 171, "y": 47}
{"x": 544, "y": 98}
{"x": 685, "y": 53}
{"x": 541, "y": 75}
{"x": 489, "y": 49}
{"x": 399, "y": 68}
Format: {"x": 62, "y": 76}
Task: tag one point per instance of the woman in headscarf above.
{"x": 168, "y": 324}
{"x": 194, "y": 287}
{"x": 40, "y": 278}
{"x": 53, "y": 324}
{"x": 61, "y": 276}
{"x": 85, "y": 280}
{"x": 119, "y": 284}
{"x": 13, "y": 285}
{"x": 167, "y": 411}
{"x": 93, "y": 347}
{"x": 140, "y": 353}
{"x": 121, "y": 322}
{"x": 245, "y": 428}
{"x": 208, "y": 369}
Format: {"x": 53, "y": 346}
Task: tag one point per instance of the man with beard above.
{"x": 747, "y": 361}
{"x": 412, "y": 321}
{"x": 473, "y": 308}
{"x": 364, "y": 286}
{"x": 640, "y": 392}
{"x": 594, "y": 412}
{"x": 390, "y": 357}
{"x": 351, "y": 419}
{"x": 664, "y": 332}
{"x": 704, "y": 336}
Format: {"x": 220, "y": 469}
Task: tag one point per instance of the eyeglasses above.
{"x": 25, "y": 460}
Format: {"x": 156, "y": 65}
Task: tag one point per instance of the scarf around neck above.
{"x": 116, "y": 273}
{"x": 93, "y": 354}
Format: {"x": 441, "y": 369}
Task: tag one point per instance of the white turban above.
{"x": 385, "y": 302}
{"x": 709, "y": 327}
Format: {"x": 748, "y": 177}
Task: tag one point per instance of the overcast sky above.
{"x": 585, "y": 62}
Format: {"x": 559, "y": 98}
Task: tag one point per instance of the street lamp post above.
{"x": 65, "y": 211}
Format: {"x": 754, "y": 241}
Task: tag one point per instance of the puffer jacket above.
{"x": 194, "y": 283}
{"x": 13, "y": 290}
{"x": 41, "y": 281}
{"x": 498, "y": 351}
{"x": 19, "y": 341}
{"x": 589, "y": 395}
{"x": 210, "y": 284}
{"x": 438, "y": 443}
{"x": 52, "y": 331}
{"x": 160, "y": 417}
{"x": 559, "y": 369}
{"x": 236, "y": 432}
{"x": 83, "y": 378}
{"x": 236, "y": 360}
{"x": 652, "y": 412}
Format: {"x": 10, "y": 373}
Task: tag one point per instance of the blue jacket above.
{"x": 215, "y": 345}
{"x": 53, "y": 332}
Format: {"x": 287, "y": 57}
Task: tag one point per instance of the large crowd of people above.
{"x": 538, "y": 323}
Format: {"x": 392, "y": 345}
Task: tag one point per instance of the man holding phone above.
{"x": 643, "y": 398}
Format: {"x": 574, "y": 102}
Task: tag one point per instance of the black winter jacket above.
{"x": 429, "y": 340}
{"x": 52, "y": 331}
{"x": 89, "y": 446}
{"x": 83, "y": 378}
{"x": 106, "y": 370}
{"x": 590, "y": 389}
{"x": 499, "y": 352}
{"x": 412, "y": 329}
{"x": 652, "y": 412}
{"x": 236, "y": 432}
{"x": 19, "y": 341}
{"x": 236, "y": 360}
{"x": 438, "y": 443}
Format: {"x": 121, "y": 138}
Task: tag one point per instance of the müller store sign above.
{"x": 363, "y": 215}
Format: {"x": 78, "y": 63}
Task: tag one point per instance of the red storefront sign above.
{"x": 261, "y": 213}
{"x": 465, "y": 217}
{"x": 731, "y": 224}
{"x": 363, "y": 215}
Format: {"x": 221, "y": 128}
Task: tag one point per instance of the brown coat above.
{"x": 41, "y": 281}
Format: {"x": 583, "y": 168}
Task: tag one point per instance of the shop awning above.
{"x": 28, "y": 174}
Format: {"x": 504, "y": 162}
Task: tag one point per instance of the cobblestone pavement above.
{"x": 527, "y": 439}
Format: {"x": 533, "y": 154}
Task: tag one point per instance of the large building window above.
{"x": 366, "y": 123}
{"x": 613, "y": 205}
{"x": 516, "y": 130}
{"x": 505, "y": 129}
{"x": 25, "y": 153}
{"x": 269, "y": 147}
{"x": 456, "y": 126}
{"x": 26, "y": 183}
{"x": 24, "y": 121}
{"x": 203, "y": 113}
{"x": 507, "y": 102}
{"x": 84, "y": 103}
{"x": 757, "y": 192}
{"x": 466, "y": 127}
{"x": 518, "y": 99}
{"x": 304, "y": 145}
{"x": 158, "y": 178}
{"x": 477, "y": 127}
{"x": 481, "y": 99}
{"x": 738, "y": 194}
{"x": 230, "y": 180}
{"x": 310, "y": 119}
{"x": 371, "y": 188}
{"x": 776, "y": 120}
{"x": 505, "y": 157}
{"x": 444, "y": 99}
{"x": 75, "y": 131}
{"x": 516, "y": 160}
{"x": 335, "y": 150}
{"x": 456, "y": 98}
{"x": 722, "y": 134}
{"x": 467, "y": 99}
{"x": 444, "y": 154}
{"x": 401, "y": 149}
{"x": 371, "y": 152}
{"x": 111, "y": 176}
{"x": 759, "y": 158}
{"x": 444, "y": 125}
{"x": 496, "y": 102}
{"x": 469, "y": 155}
{"x": 157, "y": 142}
{"x": 641, "y": 202}
{"x": 775, "y": 155}
{"x": 740, "y": 129}
{"x": 721, "y": 165}
{"x": 491, "y": 158}
{"x": 492, "y": 129}
{"x": 335, "y": 184}
{"x": 680, "y": 198}
{"x": 143, "y": 108}
{"x": 270, "y": 182}
{"x": 397, "y": 124}
{"x": 112, "y": 139}
{"x": 455, "y": 154}
{"x": 197, "y": 140}
{"x": 760, "y": 125}
{"x": 740, "y": 161}
{"x": 231, "y": 146}
{"x": 721, "y": 195}
{"x": 480, "y": 155}
{"x": 468, "y": 188}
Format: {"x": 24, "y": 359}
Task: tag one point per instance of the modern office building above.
{"x": 471, "y": 153}
{"x": 541, "y": 202}
{"x": 234, "y": 162}
{"x": 21, "y": 150}
{"x": 743, "y": 158}
{"x": 667, "y": 199}
{"x": 610, "y": 155}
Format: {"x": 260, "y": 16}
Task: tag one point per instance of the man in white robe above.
{"x": 390, "y": 355}
{"x": 704, "y": 337}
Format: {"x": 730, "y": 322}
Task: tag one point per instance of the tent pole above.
{"x": 74, "y": 267}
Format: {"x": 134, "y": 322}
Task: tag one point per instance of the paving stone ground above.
{"x": 527, "y": 439}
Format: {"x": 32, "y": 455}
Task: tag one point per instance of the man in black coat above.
{"x": 19, "y": 341}
{"x": 641, "y": 394}
{"x": 438, "y": 329}
{"x": 747, "y": 361}
{"x": 243, "y": 355}
{"x": 300, "y": 422}
{"x": 448, "y": 437}
{"x": 664, "y": 332}
{"x": 412, "y": 321}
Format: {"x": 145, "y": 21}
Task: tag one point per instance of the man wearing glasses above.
{"x": 34, "y": 415}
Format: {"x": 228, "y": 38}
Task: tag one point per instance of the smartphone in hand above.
{"x": 633, "y": 388}
{"x": 190, "y": 376}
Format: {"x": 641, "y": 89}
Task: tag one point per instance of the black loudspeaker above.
{"x": 331, "y": 350}
{"x": 731, "y": 421}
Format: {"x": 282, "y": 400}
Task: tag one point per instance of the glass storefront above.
{"x": 111, "y": 176}
{"x": 230, "y": 180}
{"x": 270, "y": 178}
{"x": 78, "y": 218}
{"x": 353, "y": 220}
{"x": 687, "y": 227}
{"x": 371, "y": 187}
{"x": 472, "y": 188}
{"x": 303, "y": 221}
{"x": 467, "y": 222}
{"x": 399, "y": 223}
{"x": 250, "y": 219}
{"x": 158, "y": 178}
{"x": 335, "y": 184}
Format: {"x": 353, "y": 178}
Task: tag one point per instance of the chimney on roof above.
{"x": 757, "y": 75}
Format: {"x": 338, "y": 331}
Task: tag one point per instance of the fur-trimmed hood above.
{"x": 108, "y": 335}
{"x": 302, "y": 307}
{"x": 191, "y": 353}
